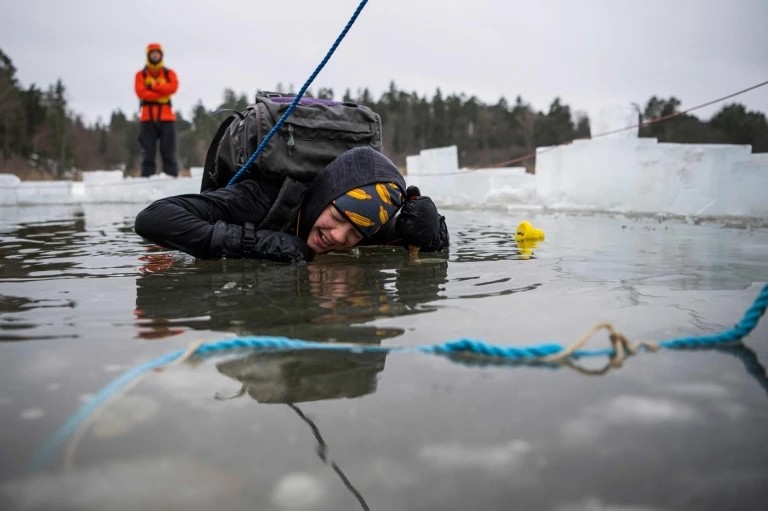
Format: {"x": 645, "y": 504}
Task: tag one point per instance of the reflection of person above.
{"x": 352, "y": 201}
{"x": 332, "y": 298}
{"x": 155, "y": 84}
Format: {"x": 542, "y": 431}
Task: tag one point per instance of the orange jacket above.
{"x": 154, "y": 88}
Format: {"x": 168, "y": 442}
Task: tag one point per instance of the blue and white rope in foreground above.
{"x": 550, "y": 355}
{"x": 538, "y": 353}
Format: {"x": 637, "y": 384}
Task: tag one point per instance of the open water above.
{"x": 83, "y": 299}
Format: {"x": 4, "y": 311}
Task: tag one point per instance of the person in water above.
{"x": 353, "y": 201}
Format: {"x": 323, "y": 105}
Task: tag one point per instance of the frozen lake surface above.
{"x": 82, "y": 299}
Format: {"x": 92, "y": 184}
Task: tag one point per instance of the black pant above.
{"x": 149, "y": 133}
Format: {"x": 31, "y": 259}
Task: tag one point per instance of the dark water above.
{"x": 82, "y": 299}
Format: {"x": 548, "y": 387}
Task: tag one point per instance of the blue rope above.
{"x": 738, "y": 332}
{"x": 296, "y": 100}
{"x": 69, "y": 427}
{"x": 531, "y": 355}
{"x": 476, "y": 347}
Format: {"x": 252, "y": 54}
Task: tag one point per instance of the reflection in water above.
{"x": 499, "y": 292}
{"x": 52, "y": 272}
{"x": 321, "y": 300}
{"x": 65, "y": 248}
{"x": 525, "y": 247}
{"x": 41, "y": 255}
{"x": 300, "y": 376}
{"x": 488, "y": 244}
{"x": 15, "y": 322}
{"x": 324, "y": 300}
{"x": 322, "y": 452}
{"x": 751, "y": 363}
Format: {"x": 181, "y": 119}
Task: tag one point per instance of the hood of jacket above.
{"x": 352, "y": 169}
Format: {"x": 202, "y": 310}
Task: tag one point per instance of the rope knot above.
{"x": 621, "y": 349}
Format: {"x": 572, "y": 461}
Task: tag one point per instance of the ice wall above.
{"x": 616, "y": 172}
{"x": 436, "y": 172}
{"x": 630, "y": 174}
{"x": 430, "y": 162}
{"x": 612, "y": 122}
{"x": 101, "y": 186}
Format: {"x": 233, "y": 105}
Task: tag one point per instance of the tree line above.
{"x": 42, "y": 138}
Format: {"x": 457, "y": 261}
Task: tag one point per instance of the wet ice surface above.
{"x": 83, "y": 299}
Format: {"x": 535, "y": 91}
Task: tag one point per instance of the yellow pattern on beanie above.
{"x": 383, "y": 215}
{"x": 371, "y": 206}
{"x": 383, "y": 193}
{"x": 359, "y": 220}
{"x": 359, "y": 194}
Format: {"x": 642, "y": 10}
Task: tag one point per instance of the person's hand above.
{"x": 419, "y": 224}
{"x": 279, "y": 246}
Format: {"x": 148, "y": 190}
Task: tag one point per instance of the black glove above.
{"x": 419, "y": 223}
{"x": 274, "y": 246}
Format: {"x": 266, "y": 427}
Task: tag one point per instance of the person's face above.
{"x": 332, "y": 232}
{"x": 155, "y": 56}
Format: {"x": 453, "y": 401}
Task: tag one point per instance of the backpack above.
{"x": 316, "y": 132}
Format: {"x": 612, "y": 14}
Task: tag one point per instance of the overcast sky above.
{"x": 588, "y": 53}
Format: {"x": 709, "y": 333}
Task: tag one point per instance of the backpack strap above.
{"x": 151, "y": 103}
{"x": 210, "y": 179}
{"x": 145, "y": 70}
{"x": 282, "y": 214}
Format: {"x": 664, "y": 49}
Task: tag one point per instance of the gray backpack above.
{"x": 315, "y": 133}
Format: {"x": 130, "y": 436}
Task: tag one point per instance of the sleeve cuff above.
{"x": 227, "y": 240}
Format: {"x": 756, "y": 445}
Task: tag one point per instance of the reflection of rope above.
{"x": 751, "y": 363}
{"x": 549, "y": 355}
{"x": 74, "y": 441}
{"x": 322, "y": 452}
{"x": 92, "y": 407}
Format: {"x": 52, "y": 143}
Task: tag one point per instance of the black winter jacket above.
{"x": 265, "y": 220}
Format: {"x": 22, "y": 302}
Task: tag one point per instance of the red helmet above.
{"x": 154, "y": 47}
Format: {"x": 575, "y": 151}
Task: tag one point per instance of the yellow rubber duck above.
{"x": 527, "y": 232}
{"x": 527, "y": 237}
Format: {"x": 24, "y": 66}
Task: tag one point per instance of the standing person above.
{"x": 353, "y": 201}
{"x": 155, "y": 84}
